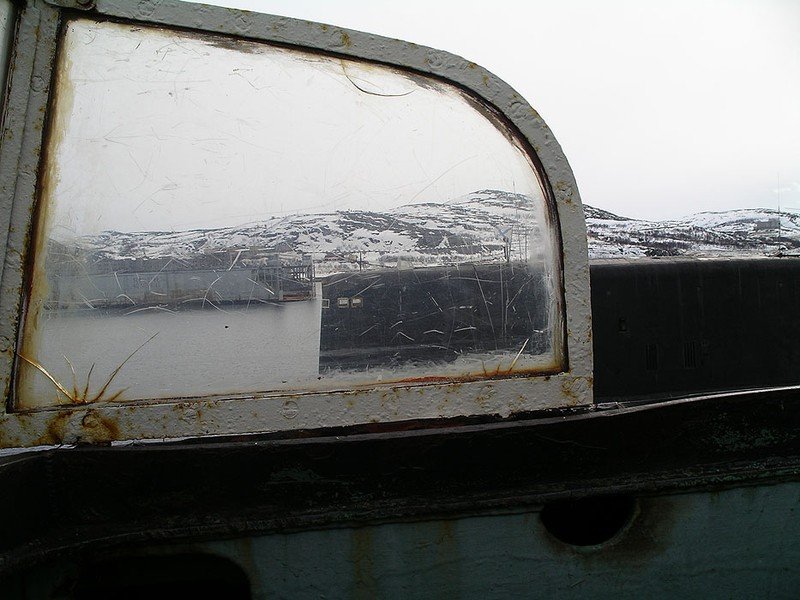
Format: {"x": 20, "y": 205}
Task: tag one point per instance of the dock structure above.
{"x": 290, "y": 276}
{"x": 205, "y": 280}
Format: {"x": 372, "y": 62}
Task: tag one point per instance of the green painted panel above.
{"x": 739, "y": 543}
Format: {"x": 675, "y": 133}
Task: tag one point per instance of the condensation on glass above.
{"x": 222, "y": 217}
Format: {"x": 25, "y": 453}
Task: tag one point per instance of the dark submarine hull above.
{"x": 390, "y": 316}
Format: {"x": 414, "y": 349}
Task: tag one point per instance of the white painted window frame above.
{"x": 21, "y": 157}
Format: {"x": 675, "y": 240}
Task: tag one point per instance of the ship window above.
{"x": 203, "y": 198}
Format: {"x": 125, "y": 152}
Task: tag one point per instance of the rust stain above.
{"x": 354, "y": 392}
{"x": 346, "y": 41}
{"x": 361, "y": 557}
{"x": 566, "y": 189}
{"x": 446, "y": 534}
{"x": 497, "y": 372}
{"x": 426, "y": 379}
{"x": 247, "y": 556}
{"x": 36, "y": 238}
{"x": 82, "y": 396}
{"x": 566, "y": 389}
{"x": 99, "y": 429}
{"x": 486, "y": 393}
{"x": 576, "y": 390}
{"x": 56, "y": 430}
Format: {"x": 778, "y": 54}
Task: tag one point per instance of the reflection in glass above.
{"x": 222, "y": 217}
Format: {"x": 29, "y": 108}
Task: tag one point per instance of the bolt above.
{"x": 90, "y": 421}
{"x": 289, "y": 409}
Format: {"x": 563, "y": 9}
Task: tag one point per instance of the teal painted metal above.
{"x": 739, "y": 543}
{"x": 735, "y": 543}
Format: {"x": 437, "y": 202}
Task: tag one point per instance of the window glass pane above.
{"x": 228, "y": 217}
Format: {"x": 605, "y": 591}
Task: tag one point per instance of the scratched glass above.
{"x": 224, "y": 217}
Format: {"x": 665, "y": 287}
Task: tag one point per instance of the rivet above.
{"x": 289, "y": 409}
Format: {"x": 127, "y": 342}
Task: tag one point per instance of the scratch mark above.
{"x": 361, "y": 89}
{"x": 516, "y": 358}
{"x": 156, "y": 308}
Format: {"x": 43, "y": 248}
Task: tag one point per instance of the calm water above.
{"x": 194, "y": 352}
{"x": 222, "y": 350}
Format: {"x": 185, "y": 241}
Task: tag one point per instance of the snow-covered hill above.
{"x": 478, "y": 227}
{"x": 474, "y": 228}
{"x": 742, "y": 232}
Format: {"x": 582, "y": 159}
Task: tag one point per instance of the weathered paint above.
{"x": 443, "y": 505}
{"x": 266, "y": 414}
{"x": 735, "y": 543}
{"x": 254, "y": 486}
{"x": 32, "y": 71}
{"x": 23, "y": 130}
{"x": 675, "y": 546}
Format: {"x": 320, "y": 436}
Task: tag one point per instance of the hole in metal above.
{"x": 588, "y": 521}
{"x": 177, "y": 576}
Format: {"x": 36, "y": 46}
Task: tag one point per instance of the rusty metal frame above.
{"x": 74, "y": 505}
{"x": 32, "y": 68}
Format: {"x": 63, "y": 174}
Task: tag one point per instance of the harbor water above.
{"x": 189, "y": 352}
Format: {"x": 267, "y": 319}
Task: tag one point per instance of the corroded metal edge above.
{"x": 94, "y": 498}
{"x": 32, "y": 61}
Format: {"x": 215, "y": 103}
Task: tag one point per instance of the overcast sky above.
{"x": 662, "y": 108}
{"x": 166, "y": 132}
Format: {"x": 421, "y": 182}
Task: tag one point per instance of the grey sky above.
{"x": 167, "y": 132}
{"x": 663, "y": 108}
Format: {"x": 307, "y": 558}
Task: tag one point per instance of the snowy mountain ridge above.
{"x": 480, "y": 226}
{"x": 737, "y": 232}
